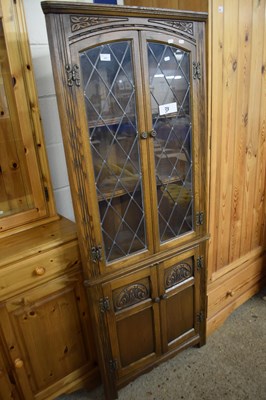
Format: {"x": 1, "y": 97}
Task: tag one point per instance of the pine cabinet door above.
{"x": 24, "y": 175}
{"x": 46, "y": 333}
{"x": 8, "y": 388}
{"x": 133, "y": 321}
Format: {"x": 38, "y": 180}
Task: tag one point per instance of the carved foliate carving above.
{"x": 81, "y": 22}
{"x": 183, "y": 26}
{"x": 78, "y": 23}
{"x": 178, "y": 274}
{"x": 131, "y": 295}
{"x": 186, "y": 27}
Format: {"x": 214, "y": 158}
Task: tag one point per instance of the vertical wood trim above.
{"x": 228, "y": 118}
{"x": 150, "y": 146}
{"x": 241, "y": 120}
{"x": 216, "y": 77}
{"x": 253, "y": 125}
{"x": 34, "y": 106}
{"x": 260, "y": 184}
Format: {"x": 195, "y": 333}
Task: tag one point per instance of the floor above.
{"x": 232, "y": 365}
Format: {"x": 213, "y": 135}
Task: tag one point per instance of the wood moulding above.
{"x": 233, "y": 288}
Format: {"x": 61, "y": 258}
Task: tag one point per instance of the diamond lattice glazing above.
{"x": 109, "y": 94}
{"x": 169, "y": 74}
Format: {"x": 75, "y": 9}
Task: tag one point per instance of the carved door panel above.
{"x": 45, "y": 330}
{"x": 179, "y": 289}
{"x": 133, "y": 321}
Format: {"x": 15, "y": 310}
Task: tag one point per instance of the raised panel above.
{"x": 237, "y": 104}
{"x": 180, "y": 314}
{"x": 133, "y": 310}
{"x": 180, "y": 278}
{"x": 24, "y": 176}
{"x": 128, "y": 330}
{"x": 8, "y": 389}
{"x": 52, "y": 336}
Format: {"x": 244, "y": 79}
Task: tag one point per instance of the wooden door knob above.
{"x": 18, "y": 363}
{"x": 230, "y": 293}
{"x": 40, "y": 271}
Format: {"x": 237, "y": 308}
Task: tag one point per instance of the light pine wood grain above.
{"x": 225, "y": 135}
{"x": 253, "y": 124}
{"x": 241, "y": 120}
{"x": 177, "y": 4}
{"x": 24, "y": 168}
{"x": 259, "y": 215}
{"x": 237, "y": 169}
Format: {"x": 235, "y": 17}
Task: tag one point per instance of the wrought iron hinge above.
{"x": 200, "y": 218}
{"x": 104, "y": 304}
{"x": 200, "y": 262}
{"x": 46, "y": 193}
{"x": 96, "y": 253}
{"x": 196, "y": 70}
{"x": 200, "y": 317}
{"x": 72, "y": 75}
{"x": 113, "y": 365}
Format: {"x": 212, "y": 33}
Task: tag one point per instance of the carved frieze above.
{"x": 131, "y": 295}
{"x": 178, "y": 274}
{"x": 186, "y": 27}
{"x": 82, "y": 22}
{"x": 183, "y": 26}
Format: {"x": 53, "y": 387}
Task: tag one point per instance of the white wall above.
{"x": 47, "y": 100}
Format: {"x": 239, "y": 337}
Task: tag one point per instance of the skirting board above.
{"x": 232, "y": 289}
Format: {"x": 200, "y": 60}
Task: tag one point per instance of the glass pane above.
{"x": 109, "y": 95}
{"x": 169, "y": 78}
{"x": 15, "y": 188}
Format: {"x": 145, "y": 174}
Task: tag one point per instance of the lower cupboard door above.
{"x": 180, "y": 301}
{"x": 133, "y": 321}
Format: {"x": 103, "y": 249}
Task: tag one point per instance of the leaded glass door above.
{"x": 173, "y": 134}
{"x": 111, "y": 103}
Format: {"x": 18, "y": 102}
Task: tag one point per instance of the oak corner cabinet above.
{"x": 130, "y": 84}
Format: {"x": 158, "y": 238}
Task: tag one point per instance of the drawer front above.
{"x": 38, "y": 269}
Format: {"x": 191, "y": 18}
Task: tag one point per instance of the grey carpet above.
{"x": 232, "y": 365}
